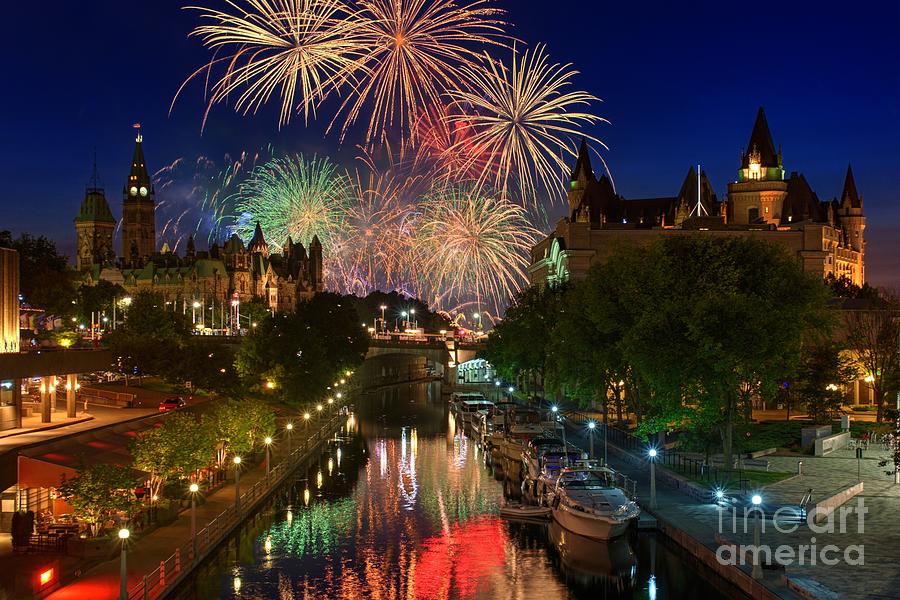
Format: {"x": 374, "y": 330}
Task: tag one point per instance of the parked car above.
{"x": 172, "y": 403}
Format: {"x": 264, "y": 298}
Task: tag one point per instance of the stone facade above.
{"x": 826, "y": 237}
{"x": 204, "y": 283}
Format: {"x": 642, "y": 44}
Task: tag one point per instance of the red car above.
{"x": 172, "y": 404}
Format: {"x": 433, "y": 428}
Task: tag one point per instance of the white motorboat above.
{"x": 534, "y": 450}
{"x": 587, "y": 502}
{"x": 522, "y": 424}
{"x": 552, "y": 462}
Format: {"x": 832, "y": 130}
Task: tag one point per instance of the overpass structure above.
{"x": 441, "y": 356}
{"x": 16, "y": 366}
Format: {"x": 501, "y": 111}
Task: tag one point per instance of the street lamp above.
{"x": 290, "y": 431}
{"x": 237, "y": 484}
{"x": 319, "y": 407}
{"x": 331, "y": 401}
{"x": 652, "y": 454}
{"x": 383, "y": 324}
{"x": 497, "y": 385}
{"x": 591, "y": 426}
{"x": 123, "y": 575}
{"x": 268, "y": 442}
{"x": 339, "y": 395}
{"x": 194, "y": 488}
{"x": 756, "y": 500}
{"x": 412, "y": 311}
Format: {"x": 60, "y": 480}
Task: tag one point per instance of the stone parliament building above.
{"x": 206, "y": 279}
{"x": 765, "y": 203}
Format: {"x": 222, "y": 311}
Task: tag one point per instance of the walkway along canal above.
{"x": 404, "y": 505}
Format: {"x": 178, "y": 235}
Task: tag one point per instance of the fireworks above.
{"x": 195, "y": 196}
{"x": 297, "y": 197}
{"x": 522, "y": 116}
{"x": 368, "y": 254}
{"x": 415, "y": 49}
{"x": 469, "y": 244}
{"x": 297, "y": 50}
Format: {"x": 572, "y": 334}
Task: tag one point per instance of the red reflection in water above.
{"x": 460, "y": 558}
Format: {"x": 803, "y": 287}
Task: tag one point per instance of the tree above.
{"x": 175, "y": 450}
{"x": 45, "y": 280}
{"x": 238, "y": 427}
{"x": 99, "y": 491}
{"x": 520, "y": 343}
{"x": 208, "y": 365}
{"x": 301, "y": 354}
{"x": 97, "y": 298}
{"x": 822, "y": 379}
{"x": 151, "y": 337}
{"x": 369, "y": 311}
{"x": 872, "y": 334}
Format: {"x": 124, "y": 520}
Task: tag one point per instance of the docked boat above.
{"x": 534, "y": 451}
{"x": 525, "y": 512}
{"x": 482, "y": 427}
{"x": 552, "y": 463}
{"x": 587, "y": 502}
{"x": 498, "y": 423}
{"x": 522, "y": 425}
{"x": 468, "y": 409}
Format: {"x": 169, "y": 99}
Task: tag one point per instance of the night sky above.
{"x": 681, "y": 84}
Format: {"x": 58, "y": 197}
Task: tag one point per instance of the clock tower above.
{"x": 138, "y": 206}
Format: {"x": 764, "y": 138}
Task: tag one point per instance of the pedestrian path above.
{"x": 879, "y": 535}
{"x": 146, "y": 552}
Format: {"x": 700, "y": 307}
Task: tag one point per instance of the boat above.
{"x": 482, "y": 427}
{"x": 587, "y": 502}
{"x": 498, "y": 422}
{"x": 525, "y": 512}
{"x": 604, "y": 566}
{"x": 522, "y": 424}
{"x": 552, "y": 462}
{"x": 469, "y": 408}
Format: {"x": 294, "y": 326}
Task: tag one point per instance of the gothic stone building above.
{"x": 208, "y": 280}
{"x": 764, "y": 203}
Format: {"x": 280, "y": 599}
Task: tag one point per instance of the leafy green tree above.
{"x": 520, "y": 343}
{"x": 99, "y": 491}
{"x": 97, "y": 298}
{"x": 822, "y": 379}
{"x": 151, "y": 337}
{"x": 175, "y": 450}
{"x": 238, "y": 427}
{"x": 45, "y": 280}
{"x": 872, "y": 334}
{"x": 208, "y": 365}
{"x": 716, "y": 321}
{"x": 302, "y": 353}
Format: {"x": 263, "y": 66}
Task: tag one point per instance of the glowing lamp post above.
{"x": 268, "y": 442}
{"x": 383, "y": 324}
{"x": 652, "y": 453}
{"x": 756, "y": 500}
{"x": 497, "y": 385}
{"x": 123, "y": 575}
{"x": 290, "y": 430}
{"x": 194, "y": 489}
{"x": 237, "y": 484}
{"x": 591, "y": 427}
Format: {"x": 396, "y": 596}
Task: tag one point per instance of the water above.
{"x": 403, "y": 506}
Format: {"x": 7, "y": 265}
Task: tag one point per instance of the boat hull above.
{"x": 589, "y": 526}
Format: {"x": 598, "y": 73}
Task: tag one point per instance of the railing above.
{"x": 171, "y": 570}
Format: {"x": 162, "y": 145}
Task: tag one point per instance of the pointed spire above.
{"x": 139, "y": 177}
{"x": 316, "y": 243}
{"x": 258, "y": 242}
{"x": 94, "y": 183}
{"x": 850, "y": 197}
{"x": 761, "y": 144}
{"x": 583, "y": 164}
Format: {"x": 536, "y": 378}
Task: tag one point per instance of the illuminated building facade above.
{"x": 206, "y": 281}
{"x": 827, "y": 237}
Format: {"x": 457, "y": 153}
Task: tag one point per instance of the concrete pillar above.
{"x": 52, "y": 379}
{"x": 71, "y": 390}
{"x": 45, "y": 399}
{"x": 17, "y": 400}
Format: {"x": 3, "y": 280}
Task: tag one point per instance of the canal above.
{"x": 402, "y": 505}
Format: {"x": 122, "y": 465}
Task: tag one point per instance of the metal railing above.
{"x": 171, "y": 570}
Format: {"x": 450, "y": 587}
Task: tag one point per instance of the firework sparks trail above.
{"x": 525, "y": 117}
{"x": 471, "y": 244}
{"x": 296, "y": 50}
{"x": 415, "y": 50}
{"x": 301, "y": 198}
{"x": 193, "y": 196}
{"x": 446, "y": 149}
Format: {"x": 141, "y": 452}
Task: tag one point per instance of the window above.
{"x": 753, "y": 215}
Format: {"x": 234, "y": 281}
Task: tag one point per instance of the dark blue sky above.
{"x": 681, "y": 83}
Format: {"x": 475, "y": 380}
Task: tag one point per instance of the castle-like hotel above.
{"x": 207, "y": 279}
{"x": 764, "y": 202}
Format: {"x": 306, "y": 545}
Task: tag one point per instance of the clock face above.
{"x": 143, "y": 191}
{"x": 133, "y": 191}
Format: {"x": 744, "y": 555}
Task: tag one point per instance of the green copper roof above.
{"x": 94, "y": 207}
